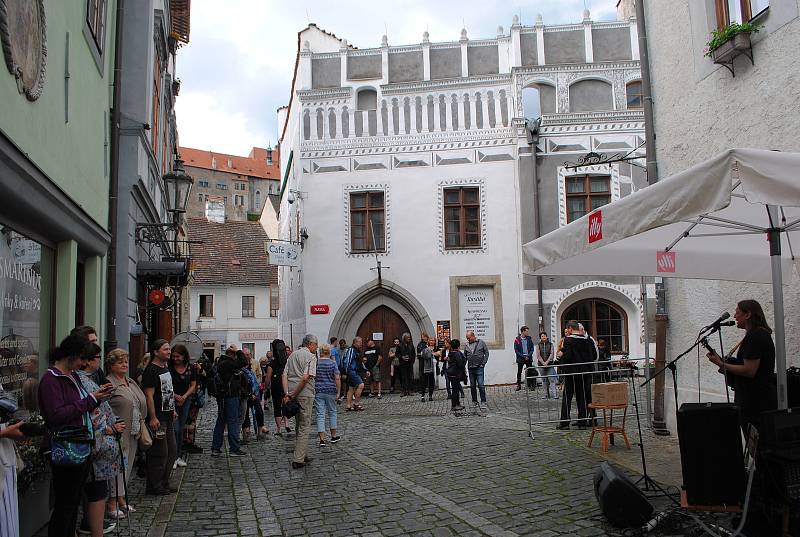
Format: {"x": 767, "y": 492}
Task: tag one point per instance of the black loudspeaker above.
{"x": 622, "y": 503}
{"x": 712, "y": 458}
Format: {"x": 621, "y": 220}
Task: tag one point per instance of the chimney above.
{"x": 626, "y": 9}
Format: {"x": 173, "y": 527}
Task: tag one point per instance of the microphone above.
{"x": 728, "y": 323}
{"x": 718, "y": 322}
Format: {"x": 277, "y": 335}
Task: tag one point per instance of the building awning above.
{"x": 161, "y": 268}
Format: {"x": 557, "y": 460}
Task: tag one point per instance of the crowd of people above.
{"x": 100, "y": 422}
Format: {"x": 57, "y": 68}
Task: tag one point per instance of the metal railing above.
{"x": 570, "y": 392}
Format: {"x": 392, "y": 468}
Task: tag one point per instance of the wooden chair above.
{"x": 608, "y": 428}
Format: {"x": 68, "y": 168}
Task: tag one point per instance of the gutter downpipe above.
{"x": 111, "y": 342}
{"x": 662, "y": 318}
{"x": 537, "y": 217}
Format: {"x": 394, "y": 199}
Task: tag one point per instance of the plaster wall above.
{"x": 590, "y": 95}
{"x": 364, "y": 67}
{"x": 405, "y": 66}
{"x": 564, "y": 47}
{"x": 227, "y": 326}
{"x": 445, "y": 63}
{"x": 611, "y": 44}
{"x": 483, "y": 60}
{"x": 74, "y": 154}
{"x": 326, "y": 72}
{"x": 528, "y": 50}
{"x": 416, "y": 262}
{"x": 701, "y": 110}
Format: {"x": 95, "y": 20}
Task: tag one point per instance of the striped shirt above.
{"x": 326, "y": 376}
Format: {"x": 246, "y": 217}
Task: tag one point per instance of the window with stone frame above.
{"x": 96, "y": 21}
{"x": 585, "y": 193}
{"x": 274, "y": 300}
{"x": 462, "y": 218}
{"x": 248, "y": 306}
{"x": 206, "y": 305}
{"x": 633, "y": 91}
{"x": 367, "y": 221}
{"x": 730, "y": 11}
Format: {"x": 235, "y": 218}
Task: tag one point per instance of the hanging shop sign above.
{"x": 283, "y": 253}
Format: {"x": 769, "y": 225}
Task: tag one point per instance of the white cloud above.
{"x": 237, "y": 69}
{"x": 204, "y": 123}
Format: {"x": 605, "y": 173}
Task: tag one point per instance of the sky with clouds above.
{"x": 237, "y": 69}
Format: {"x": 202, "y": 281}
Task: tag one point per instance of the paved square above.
{"x": 404, "y": 467}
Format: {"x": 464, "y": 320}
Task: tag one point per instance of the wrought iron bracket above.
{"x": 593, "y": 158}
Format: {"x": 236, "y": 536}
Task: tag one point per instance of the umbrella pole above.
{"x": 780, "y": 339}
{"x": 777, "y": 300}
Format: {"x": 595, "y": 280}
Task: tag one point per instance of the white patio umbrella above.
{"x": 733, "y": 217}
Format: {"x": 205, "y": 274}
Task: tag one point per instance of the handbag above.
{"x": 145, "y": 438}
{"x": 71, "y": 445}
{"x": 290, "y": 408}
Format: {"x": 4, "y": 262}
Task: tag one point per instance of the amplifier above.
{"x": 712, "y": 458}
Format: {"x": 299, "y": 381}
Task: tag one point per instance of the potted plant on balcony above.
{"x": 729, "y": 42}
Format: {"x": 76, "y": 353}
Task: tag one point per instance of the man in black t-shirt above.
{"x": 160, "y": 394}
{"x": 374, "y": 359}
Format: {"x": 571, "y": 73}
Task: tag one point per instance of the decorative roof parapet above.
{"x": 327, "y": 93}
{"x": 449, "y": 83}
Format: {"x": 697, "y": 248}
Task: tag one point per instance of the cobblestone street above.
{"x": 404, "y": 467}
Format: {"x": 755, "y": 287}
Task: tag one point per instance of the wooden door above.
{"x": 386, "y": 321}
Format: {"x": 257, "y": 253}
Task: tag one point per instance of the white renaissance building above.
{"x": 417, "y": 158}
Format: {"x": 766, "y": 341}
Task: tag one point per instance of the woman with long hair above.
{"x": 754, "y": 375}
{"x": 184, "y": 382}
{"x": 66, "y": 403}
{"x": 275, "y": 375}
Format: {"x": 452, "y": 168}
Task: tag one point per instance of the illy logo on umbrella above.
{"x": 665, "y": 261}
{"x": 595, "y": 226}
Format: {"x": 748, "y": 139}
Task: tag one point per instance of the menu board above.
{"x": 476, "y": 310}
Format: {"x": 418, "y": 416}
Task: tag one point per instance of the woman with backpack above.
{"x": 275, "y": 374}
{"x": 456, "y": 374}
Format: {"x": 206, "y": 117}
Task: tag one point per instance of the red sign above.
{"x": 320, "y": 309}
{"x": 595, "y": 226}
{"x": 665, "y": 261}
{"x": 156, "y": 297}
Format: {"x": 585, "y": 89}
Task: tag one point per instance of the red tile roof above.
{"x": 233, "y": 253}
{"x": 254, "y": 165}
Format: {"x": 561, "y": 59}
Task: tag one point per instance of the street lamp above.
{"x": 178, "y": 186}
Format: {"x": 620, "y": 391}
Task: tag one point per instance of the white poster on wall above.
{"x": 476, "y": 308}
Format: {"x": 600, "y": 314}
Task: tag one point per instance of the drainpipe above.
{"x": 662, "y": 318}
{"x": 532, "y": 132}
{"x": 111, "y": 342}
{"x": 647, "y": 95}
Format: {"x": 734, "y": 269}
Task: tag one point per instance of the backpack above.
{"x": 347, "y": 360}
{"x": 215, "y": 386}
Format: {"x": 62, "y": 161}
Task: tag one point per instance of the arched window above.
{"x": 590, "y": 96}
{"x": 633, "y": 91}
{"x": 602, "y": 320}
{"x": 537, "y": 100}
{"x": 258, "y": 199}
{"x": 367, "y": 99}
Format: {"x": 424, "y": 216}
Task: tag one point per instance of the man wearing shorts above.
{"x": 355, "y": 383}
{"x": 374, "y": 359}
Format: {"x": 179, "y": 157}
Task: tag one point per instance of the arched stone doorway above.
{"x": 386, "y": 324}
{"x": 369, "y": 297}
